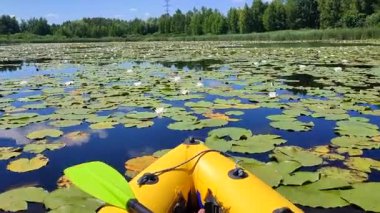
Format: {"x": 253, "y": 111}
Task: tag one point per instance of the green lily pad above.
{"x": 141, "y": 115}
{"x": 16, "y": 199}
{"x": 65, "y": 123}
{"x": 9, "y": 152}
{"x": 71, "y": 200}
{"x": 257, "y": 144}
{"x": 213, "y": 142}
{"x": 199, "y": 104}
{"x": 233, "y": 132}
{"x": 26, "y": 165}
{"x": 326, "y": 183}
{"x": 355, "y": 142}
{"x": 292, "y": 125}
{"x": 41, "y": 134}
{"x": 364, "y": 195}
{"x": 357, "y": 128}
{"x": 299, "y": 178}
{"x": 103, "y": 125}
{"x": 185, "y": 125}
{"x": 351, "y": 176}
{"x": 305, "y": 158}
{"x": 39, "y": 147}
{"x": 302, "y": 195}
{"x": 273, "y": 173}
{"x": 362, "y": 164}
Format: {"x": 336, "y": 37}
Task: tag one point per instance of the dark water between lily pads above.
{"x": 117, "y": 145}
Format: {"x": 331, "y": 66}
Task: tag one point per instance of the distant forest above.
{"x": 257, "y": 17}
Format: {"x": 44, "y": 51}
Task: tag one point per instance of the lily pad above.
{"x": 9, "y": 152}
{"x": 16, "y": 199}
{"x": 39, "y": 147}
{"x": 301, "y": 195}
{"x": 41, "y": 134}
{"x": 71, "y": 200}
{"x": 65, "y": 123}
{"x": 299, "y": 178}
{"x": 364, "y": 195}
{"x": 136, "y": 165}
{"x": 305, "y": 158}
{"x": 26, "y": 165}
{"x": 234, "y": 133}
{"x": 351, "y": 176}
{"x": 103, "y": 125}
{"x": 292, "y": 125}
{"x": 362, "y": 164}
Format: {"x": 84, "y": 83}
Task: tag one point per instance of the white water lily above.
{"x": 137, "y": 84}
{"x": 302, "y": 67}
{"x": 176, "y": 79}
{"x": 272, "y": 94}
{"x": 344, "y": 61}
{"x": 68, "y": 83}
{"x": 200, "y": 84}
{"x": 129, "y": 71}
{"x": 160, "y": 110}
{"x": 256, "y": 64}
{"x": 23, "y": 82}
{"x": 338, "y": 69}
{"x": 185, "y": 92}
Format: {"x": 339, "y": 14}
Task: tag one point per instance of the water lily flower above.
{"x": 185, "y": 92}
{"x": 302, "y": 67}
{"x": 137, "y": 84}
{"x": 272, "y": 94}
{"x": 160, "y": 110}
{"x": 23, "y": 82}
{"x": 338, "y": 69}
{"x": 344, "y": 61}
{"x": 256, "y": 64}
{"x": 200, "y": 84}
{"x": 129, "y": 71}
{"x": 68, "y": 83}
{"x": 176, "y": 79}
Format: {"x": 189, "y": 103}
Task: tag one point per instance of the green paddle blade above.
{"x": 101, "y": 181}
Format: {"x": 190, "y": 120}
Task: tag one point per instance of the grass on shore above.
{"x": 285, "y": 35}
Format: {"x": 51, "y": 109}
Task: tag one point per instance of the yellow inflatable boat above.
{"x": 192, "y": 177}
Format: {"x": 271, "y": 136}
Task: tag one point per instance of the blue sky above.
{"x": 57, "y": 11}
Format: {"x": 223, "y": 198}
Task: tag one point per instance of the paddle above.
{"x": 105, "y": 183}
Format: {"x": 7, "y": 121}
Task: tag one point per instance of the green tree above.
{"x": 196, "y": 23}
{"x": 218, "y": 23}
{"x": 164, "y": 24}
{"x": 38, "y": 26}
{"x": 302, "y": 14}
{"x": 275, "y": 16}
{"x": 188, "y": 18}
{"x": 330, "y": 13}
{"x": 9, "y": 25}
{"x": 245, "y": 20}
{"x": 178, "y": 22}
{"x": 233, "y": 20}
{"x": 258, "y": 9}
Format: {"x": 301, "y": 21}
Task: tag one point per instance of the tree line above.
{"x": 257, "y": 17}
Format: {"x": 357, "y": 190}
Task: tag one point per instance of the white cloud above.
{"x": 146, "y": 14}
{"x": 52, "y": 15}
{"x": 133, "y": 9}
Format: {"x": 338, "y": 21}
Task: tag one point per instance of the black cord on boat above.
{"x": 200, "y": 154}
{"x": 152, "y": 178}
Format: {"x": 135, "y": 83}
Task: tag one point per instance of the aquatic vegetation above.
{"x": 310, "y": 115}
